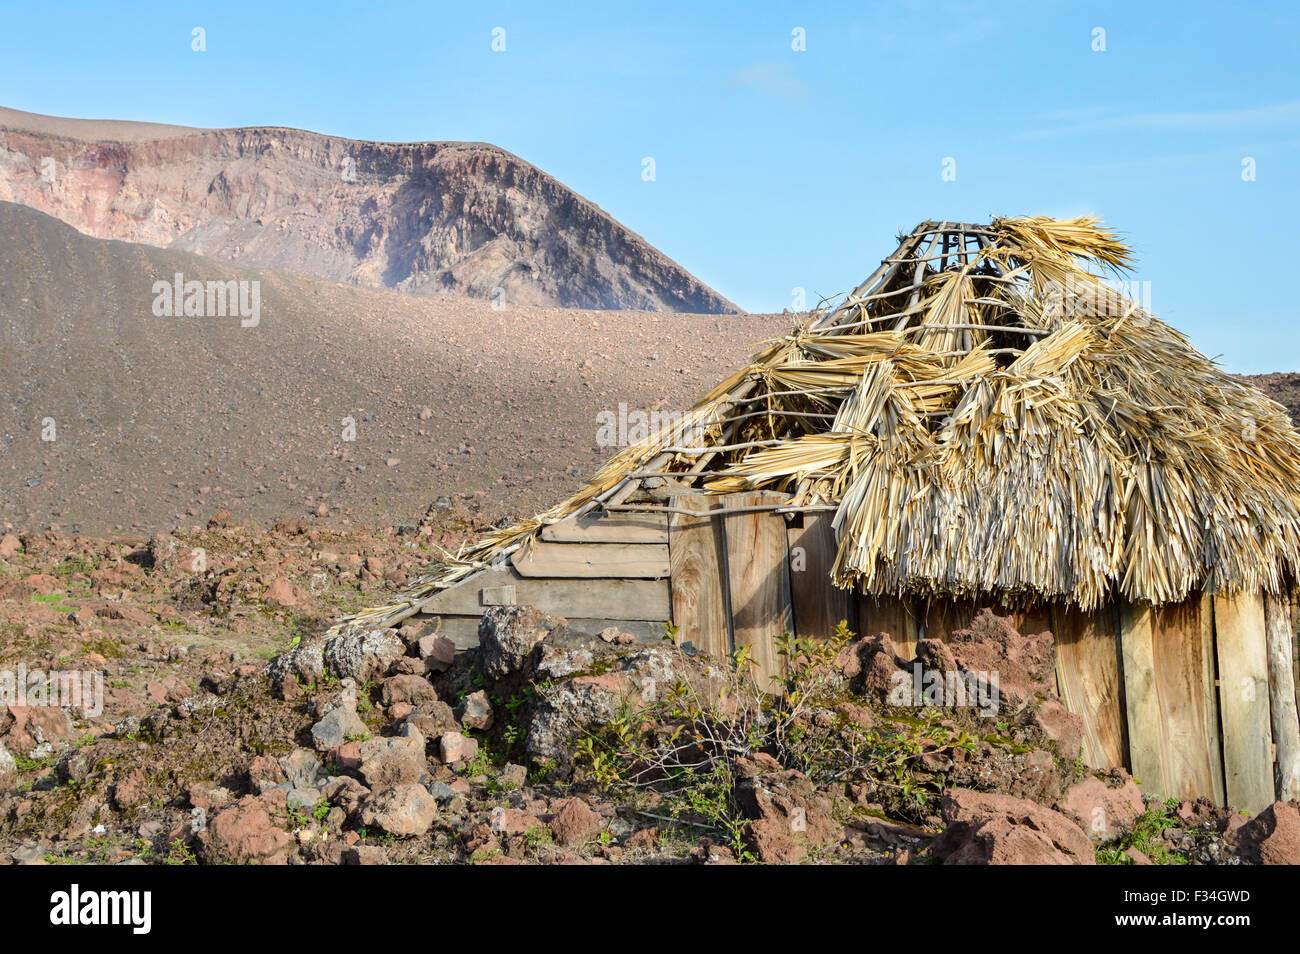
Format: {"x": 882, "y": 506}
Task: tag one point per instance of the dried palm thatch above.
{"x": 985, "y": 416}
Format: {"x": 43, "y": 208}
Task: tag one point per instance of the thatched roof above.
{"x": 985, "y": 416}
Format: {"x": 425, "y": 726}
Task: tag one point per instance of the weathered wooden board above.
{"x": 697, "y": 559}
{"x": 889, "y": 615}
{"x": 584, "y": 599}
{"x": 1032, "y": 618}
{"x": 1295, "y": 639}
{"x": 1279, "y": 639}
{"x": 463, "y": 630}
{"x": 610, "y": 528}
{"x": 1088, "y": 677}
{"x": 818, "y": 604}
{"x": 646, "y": 631}
{"x": 1142, "y": 702}
{"x": 1214, "y": 715}
{"x": 1182, "y": 648}
{"x": 1243, "y": 700}
{"x": 756, "y": 580}
{"x": 943, "y": 617}
{"x": 592, "y": 560}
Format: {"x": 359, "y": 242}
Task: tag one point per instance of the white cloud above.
{"x": 1278, "y": 115}
{"x": 775, "y": 80}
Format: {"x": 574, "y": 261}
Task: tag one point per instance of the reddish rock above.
{"x": 266, "y": 770}
{"x": 1270, "y": 838}
{"x": 169, "y": 690}
{"x": 243, "y": 833}
{"x": 207, "y": 796}
{"x": 347, "y": 757}
{"x": 455, "y": 747}
{"x": 10, "y": 546}
{"x": 645, "y": 839}
{"x": 345, "y": 792}
{"x": 985, "y": 828}
{"x": 1061, "y": 726}
{"x": 406, "y": 809}
{"x": 789, "y": 816}
{"x": 34, "y": 584}
{"x": 475, "y": 711}
{"x": 284, "y": 593}
{"x": 393, "y": 761}
{"x": 1104, "y": 811}
{"x": 364, "y": 854}
{"x": 438, "y": 652}
{"x": 33, "y": 725}
{"x": 130, "y": 790}
{"x": 511, "y": 821}
{"x": 410, "y": 689}
{"x": 576, "y": 823}
{"x": 1025, "y": 664}
{"x": 879, "y": 677}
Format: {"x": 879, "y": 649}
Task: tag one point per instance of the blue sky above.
{"x": 776, "y": 168}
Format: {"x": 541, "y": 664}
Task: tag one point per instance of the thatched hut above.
{"x": 984, "y": 420}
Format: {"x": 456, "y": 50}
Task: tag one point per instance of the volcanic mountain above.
{"x": 430, "y": 217}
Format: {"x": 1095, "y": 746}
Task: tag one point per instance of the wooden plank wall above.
{"x": 1171, "y": 703}
{"x": 610, "y": 528}
{"x": 899, "y": 618}
{"x": 1182, "y": 638}
{"x": 818, "y": 605}
{"x": 1243, "y": 700}
{"x": 697, "y": 558}
{"x": 596, "y": 572}
{"x": 1142, "y": 706}
{"x": 1089, "y": 681}
{"x": 590, "y": 598}
{"x": 942, "y": 618}
{"x": 757, "y": 580}
{"x": 592, "y": 560}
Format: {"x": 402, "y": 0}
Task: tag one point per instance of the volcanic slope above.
{"x": 153, "y": 421}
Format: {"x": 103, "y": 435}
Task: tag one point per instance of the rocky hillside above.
{"x": 227, "y": 729}
{"x": 1283, "y": 387}
{"x": 430, "y": 217}
{"x": 115, "y": 416}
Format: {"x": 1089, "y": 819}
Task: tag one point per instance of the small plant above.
{"x": 1147, "y": 836}
{"x": 180, "y": 853}
{"x": 686, "y": 746}
{"x": 537, "y": 836}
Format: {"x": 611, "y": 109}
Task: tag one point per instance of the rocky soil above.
{"x": 431, "y": 217}
{"x": 233, "y": 731}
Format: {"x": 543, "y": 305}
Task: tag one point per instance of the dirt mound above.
{"x": 466, "y": 218}
{"x": 361, "y": 404}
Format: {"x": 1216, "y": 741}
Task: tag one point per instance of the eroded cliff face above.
{"x": 462, "y": 218}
